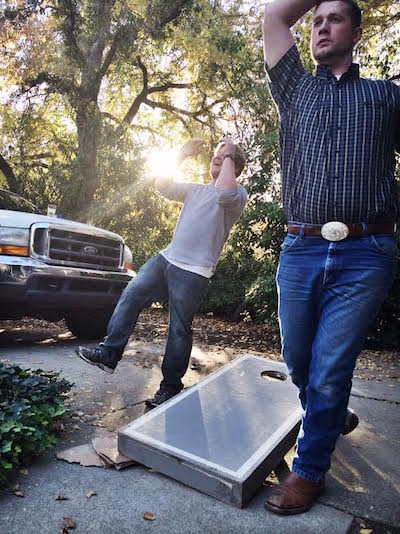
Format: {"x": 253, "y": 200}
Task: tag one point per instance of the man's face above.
{"x": 333, "y": 36}
{"x": 216, "y": 162}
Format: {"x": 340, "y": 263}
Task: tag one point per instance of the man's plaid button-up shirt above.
{"x": 338, "y": 141}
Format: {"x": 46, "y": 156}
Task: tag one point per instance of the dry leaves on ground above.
{"x": 149, "y": 516}
{"x": 69, "y": 523}
{"x": 17, "y": 491}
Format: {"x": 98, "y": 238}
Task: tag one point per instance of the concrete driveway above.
{"x": 363, "y": 487}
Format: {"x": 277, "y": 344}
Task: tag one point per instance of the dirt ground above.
{"x": 210, "y": 333}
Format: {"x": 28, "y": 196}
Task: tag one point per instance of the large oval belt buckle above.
{"x": 334, "y": 231}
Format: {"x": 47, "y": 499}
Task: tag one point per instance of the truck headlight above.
{"x": 128, "y": 258}
{"x": 14, "y": 241}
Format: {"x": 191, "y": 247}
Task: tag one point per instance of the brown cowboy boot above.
{"x": 294, "y": 495}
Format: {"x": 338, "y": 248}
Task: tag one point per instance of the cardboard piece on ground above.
{"x": 102, "y": 452}
{"x": 107, "y": 449}
{"x": 82, "y": 454}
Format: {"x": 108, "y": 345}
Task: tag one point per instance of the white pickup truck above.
{"x": 52, "y": 268}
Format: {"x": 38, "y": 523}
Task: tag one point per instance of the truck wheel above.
{"x": 88, "y": 325}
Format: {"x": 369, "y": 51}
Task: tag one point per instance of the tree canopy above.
{"x": 90, "y": 89}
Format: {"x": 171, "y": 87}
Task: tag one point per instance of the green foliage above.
{"x": 31, "y": 401}
{"x": 226, "y": 290}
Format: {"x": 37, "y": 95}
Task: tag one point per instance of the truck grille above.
{"x": 64, "y": 246}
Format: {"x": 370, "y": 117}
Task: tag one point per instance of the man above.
{"x": 338, "y": 137}
{"x": 180, "y": 273}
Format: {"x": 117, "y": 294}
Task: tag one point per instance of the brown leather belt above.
{"x": 355, "y": 230}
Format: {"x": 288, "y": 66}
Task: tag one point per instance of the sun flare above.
{"x": 162, "y": 163}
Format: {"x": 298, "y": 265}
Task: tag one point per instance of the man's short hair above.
{"x": 354, "y": 11}
{"x": 240, "y": 158}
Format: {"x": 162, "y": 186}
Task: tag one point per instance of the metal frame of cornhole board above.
{"x": 232, "y": 485}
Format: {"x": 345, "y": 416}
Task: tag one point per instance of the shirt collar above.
{"x": 325, "y": 72}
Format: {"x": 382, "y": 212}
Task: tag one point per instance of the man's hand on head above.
{"x": 229, "y": 147}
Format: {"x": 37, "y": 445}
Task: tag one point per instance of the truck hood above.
{"x": 19, "y": 219}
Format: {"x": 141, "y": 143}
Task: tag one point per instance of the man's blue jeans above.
{"x": 329, "y": 294}
{"x": 158, "y": 280}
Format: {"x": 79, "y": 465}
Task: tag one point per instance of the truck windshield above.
{"x": 11, "y": 201}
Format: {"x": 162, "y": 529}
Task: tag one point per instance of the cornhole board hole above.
{"x": 224, "y": 435}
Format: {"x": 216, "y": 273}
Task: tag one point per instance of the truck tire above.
{"x": 88, "y": 325}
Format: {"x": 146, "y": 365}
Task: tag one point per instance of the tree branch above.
{"x": 58, "y": 85}
{"x": 145, "y": 74}
{"x": 173, "y": 109}
{"x": 134, "y": 108}
{"x": 8, "y": 174}
{"x": 167, "y": 86}
{"x": 124, "y": 32}
{"x": 68, "y": 27}
{"x": 141, "y": 97}
{"x": 161, "y": 12}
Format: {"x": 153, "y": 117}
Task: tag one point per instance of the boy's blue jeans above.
{"x": 329, "y": 294}
{"x": 158, "y": 280}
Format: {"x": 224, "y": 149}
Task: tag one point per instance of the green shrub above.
{"x": 31, "y": 402}
{"x": 226, "y": 290}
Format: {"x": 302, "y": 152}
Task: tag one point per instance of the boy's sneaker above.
{"x": 161, "y": 396}
{"x": 100, "y": 356}
{"x": 351, "y": 422}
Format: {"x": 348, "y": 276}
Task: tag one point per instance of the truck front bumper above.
{"x": 28, "y": 284}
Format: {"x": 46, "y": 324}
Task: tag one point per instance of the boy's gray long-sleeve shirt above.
{"x": 205, "y": 221}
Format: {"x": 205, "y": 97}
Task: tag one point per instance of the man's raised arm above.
{"x": 279, "y": 17}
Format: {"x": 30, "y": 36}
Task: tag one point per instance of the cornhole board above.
{"x": 225, "y": 434}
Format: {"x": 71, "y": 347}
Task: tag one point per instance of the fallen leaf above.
{"x": 61, "y": 498}
{"x": 90, "y": 494}
{"x": 366, "y": 531}
{"x": 24, "y": 471}
{"x": 69, "y": 523}
{"x": 149, "y": 516}
{"x": 17, "y": 491}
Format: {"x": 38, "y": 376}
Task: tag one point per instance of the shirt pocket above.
{"x": 378, "y": 117}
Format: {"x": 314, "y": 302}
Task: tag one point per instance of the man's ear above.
{"x": 357, "y": 35}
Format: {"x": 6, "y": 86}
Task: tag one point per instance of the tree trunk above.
{"x": 88, "y": 121}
